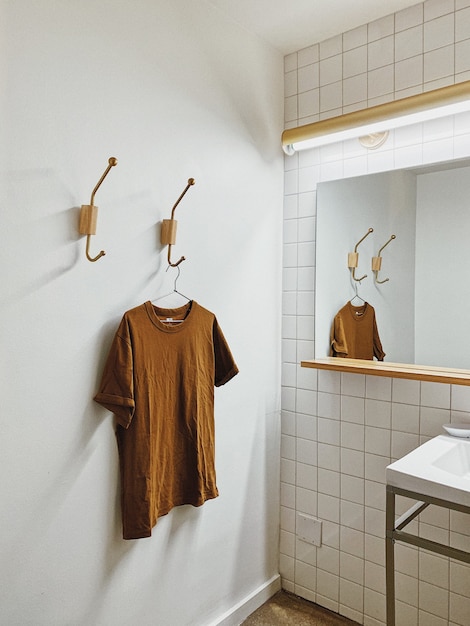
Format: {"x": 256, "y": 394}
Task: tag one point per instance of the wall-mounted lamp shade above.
{"x": 421, "y": 107}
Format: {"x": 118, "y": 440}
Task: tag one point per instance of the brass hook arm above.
{"x": 353, "y": 257}
{"x": 87, "y": 251}
{"x": 112, "y": 161}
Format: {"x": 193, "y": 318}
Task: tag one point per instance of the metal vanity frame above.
{"x": 395, "y": 533}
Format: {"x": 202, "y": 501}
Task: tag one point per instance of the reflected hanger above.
{"x": 356, "y": 295}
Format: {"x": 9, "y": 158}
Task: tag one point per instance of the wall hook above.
{"x": 168, "y": 231}
{"x": 377, "y": 262}
{"x": 353, "y": 257}
{"x": 89, "y": 215}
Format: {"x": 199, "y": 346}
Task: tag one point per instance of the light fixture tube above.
{"x": 418, "y": 108}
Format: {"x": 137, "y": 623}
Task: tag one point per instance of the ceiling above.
{"x": 290, "y": 25}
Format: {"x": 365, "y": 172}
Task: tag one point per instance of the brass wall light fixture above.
{"x": 379, "y": 119}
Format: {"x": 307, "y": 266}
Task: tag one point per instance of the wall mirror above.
{"x": 422, "y": 311}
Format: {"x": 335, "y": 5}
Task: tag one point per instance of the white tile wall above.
{"x": 340, "y": 431}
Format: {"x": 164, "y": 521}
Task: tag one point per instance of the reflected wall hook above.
{"x": 89, "y": 215}
{"x": 168, "y": 231}
{"x": 377, "y": 262}
{"x": 353, "y": 257}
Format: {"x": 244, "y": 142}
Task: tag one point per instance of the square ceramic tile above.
{"x": 375, "y": 495}
{"x": 378, "y": 388}
{"x": 331, "y": 70}
{"x": 352, "y": 541}
{"x": 329, "y": 482}
{"x": 375, "y": 467}
{"x": 328, "y": 560}
{"x": 305, "y": 327}
{"x": 352, "y": 436}
{"x": 352, "y": 515}
{"x": 405, "y": 418}
{"x": 377, "y": 440}
{"x": 381, "y": 28}
{"x": 355, "y": 90}
{"x": 290, "y": 84}
{"x": 439, "y": 64}
{"x": 309, "y": 55}
{"x": 431, "y": 421}
{"x": 331, "y": 47}
{"x": 402, "y": 444}
{"x": 352, "y": 409}
{"x": 433, "y": 599}
{"x": 460, "y": 398}
{"x": 351, "y": 567}
{"x": 374, "y": 549}
{"x": 459, "y": 609}
{"x": 406, "y": 391}
{"x": 408, "y": 43}
{"x": 306, "y": 501}
{"x": 306, "y": 451}
{"x": 354, "y": 62}
{"x": 331, "y": 97}
{"x": 374, "y": 577}
{"x": 329, "y": 457}
{"x": 435, "y": 395}
{"x": 290, "y": 62}
{"x": 355, "y": 38}
{"x": 374, "y": 605}
{"x": 328, "y": 508}
{"x": 352, "y": 489}
{"x": 381, "y": 82}
{"x": 329, "y": 405}
{"x": 381, "y": 53}
{"x": 308, "y": 103}
{"x": 350, "y": 595}
{"x": 408, "y": 73}
{"x": 406, "y": 588}
{"x": 352, "y": 462}
{"x": 378, "y": 413}
{"x": 375, "y": 522}
{"x": 308, "y": 78}
{"x": 435, "y": 8}
{"x": 439, "y": 32}
{"x": 328, "y": 431}
{"x": 409, "y": 17}
{"x": 306, "y": 476}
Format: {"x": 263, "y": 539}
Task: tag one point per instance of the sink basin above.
{"x": 439, "y": 468}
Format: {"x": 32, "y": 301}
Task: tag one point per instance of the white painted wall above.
{"x": 173, "y": 91}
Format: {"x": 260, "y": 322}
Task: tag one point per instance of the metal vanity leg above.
{"x": 390, "y": 555}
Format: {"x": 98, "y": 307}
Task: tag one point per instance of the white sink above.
{"x": 439, "y": 468}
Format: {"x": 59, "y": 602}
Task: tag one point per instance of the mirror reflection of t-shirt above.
{"x": 354, "y": 333}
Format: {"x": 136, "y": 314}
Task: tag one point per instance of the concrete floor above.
{"x": 285, "y": 609}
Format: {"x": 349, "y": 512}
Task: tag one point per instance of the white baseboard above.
{"x": 246, "y": 606}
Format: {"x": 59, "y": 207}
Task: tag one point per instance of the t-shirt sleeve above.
{"x": 338, "y": 342}
{"x": 116, "y": 391}
{"x": 225, "y": 366}
{"x": 378, "y": 350}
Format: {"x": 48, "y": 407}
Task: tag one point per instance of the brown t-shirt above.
{"x": 159, "y": 382}
{"x": 354, "y": 333}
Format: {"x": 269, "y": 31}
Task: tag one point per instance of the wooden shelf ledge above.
{"x": 392, "y": 370}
